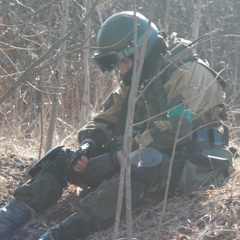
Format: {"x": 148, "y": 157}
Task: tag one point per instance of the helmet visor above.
{"x": 108, "y": 61}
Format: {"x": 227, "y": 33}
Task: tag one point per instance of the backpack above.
{"x": 180, "y": 51}
{"x": 199, "y": 174}
{"x": 210, "y": 162}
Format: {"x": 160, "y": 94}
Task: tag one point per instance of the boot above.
{"x": 76, "y": 226}
{"x": 12, "y": 217}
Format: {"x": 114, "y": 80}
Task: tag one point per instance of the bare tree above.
{"x": 58, "y": 77}
{"x": 85, "y": 108}
{"x": 197, "y": 19}
{"x": 38, "y": 62}
{"x": 29, "y": 44}
{"x": 166, "y": 22}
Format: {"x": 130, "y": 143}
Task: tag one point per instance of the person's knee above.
{"x": 101, "y": 204}
{"x": 49, "y": 177}
{"x": 40, "y": 192}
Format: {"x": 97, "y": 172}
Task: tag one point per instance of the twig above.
{"x": 22, "y": 78}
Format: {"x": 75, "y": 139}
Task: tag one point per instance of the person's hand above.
{"x": 81, "y": 165}
{"x": 80, "y": 157}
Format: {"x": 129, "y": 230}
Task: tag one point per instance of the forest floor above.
{"x": 212, "y": 214}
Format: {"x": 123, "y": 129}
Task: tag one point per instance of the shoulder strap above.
{"x": 218, "y": 77}
{"x": 182, "y": 53}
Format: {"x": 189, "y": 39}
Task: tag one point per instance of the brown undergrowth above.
{"x": 206, "y": 215}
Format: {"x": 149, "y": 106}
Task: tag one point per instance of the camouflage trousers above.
{"x": 47, "y": 185}
{"x": 101, "y": 204}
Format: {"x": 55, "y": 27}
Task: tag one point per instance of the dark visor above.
{"x": 107, "y": 61}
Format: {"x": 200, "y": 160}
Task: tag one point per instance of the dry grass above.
{"x": 212, "y": 214}
{"x": 204, "y": 215}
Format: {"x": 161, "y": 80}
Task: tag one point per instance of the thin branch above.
{"x": 158, "y": 234}
{"x": 127, "y": 147}
{"x": 55, "y": 46}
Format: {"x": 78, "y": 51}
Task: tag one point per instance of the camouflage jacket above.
{"x": 167, "y": 108}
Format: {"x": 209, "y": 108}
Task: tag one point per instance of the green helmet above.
{"x": 116, "y": 36}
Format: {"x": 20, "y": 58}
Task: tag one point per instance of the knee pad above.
{"x": 55, "y": 163}
{"x": 149, "y": 166}
{"x": 49, "y": 177}
{"x": 39, "y": 192}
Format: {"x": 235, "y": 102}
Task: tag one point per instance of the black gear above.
{"x": 76, "y": 226}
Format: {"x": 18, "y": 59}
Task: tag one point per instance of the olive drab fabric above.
{"x": 182, "y": 88}
{"x": 101, "y": 204}
{"x": 116, "y": 37}
{"x": 203, "y": 176}
{"x": 49, "y": 177}
{"x": 189, "y": 88}
{"x": 174, "y": 99}
{"x": 195, "y": 177}
{"x": 186, "y": 80}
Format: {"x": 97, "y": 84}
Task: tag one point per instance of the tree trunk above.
{"x": 58, "y": 77}
{"x": 85, "y": 108}
{"x": 165, "y": 23}
{"x": 54, "y": 47}
{"x": 197, "y": 20}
